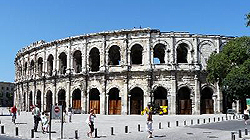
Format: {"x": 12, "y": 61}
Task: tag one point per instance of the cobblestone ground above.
{"x": 103, "y": 123}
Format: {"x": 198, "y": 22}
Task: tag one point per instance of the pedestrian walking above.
{"x": 45, "y": 122}
{"x": 246, "y": 115}
{"x": 90, "y": 122}
{"x": 13, "y": 113}
{"x": 70, "y": 114}
{"x": 36, "y": 113}
{"x": 149, "y": 112}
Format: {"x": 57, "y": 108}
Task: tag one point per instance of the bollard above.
{"x": 168, "y": 124}
{"x": 209, "y": 120}
{"x": 177, "y": 124}
{"x": 214, "y": 119}
{"x": 198, "y": 121}
{"x": 126, "y": 129}
{"x": 16, "y": 131}
{"x": 32, "y": 133}
{"x": 233, "y": 117}
{"x": 204, "y": 120}
{"x": 95, "y": 132}
{"x": 233, "y": 136}
{"x": 218, "y": 119}
{"x": 192, "y": 122}
{"x": 112, "y": 131}
{"x": 76, "y": 134}
{"x": 159, "y": 125}
{"x": 139, "y": 128}
{"x": 2, "y": 129}
{"x": 221, "y": 118}
{"x": 185, "y": 122}
{"x": 240, "y": 134}
{"x": 0, "y": 122}
{"x": 246, "y": 132}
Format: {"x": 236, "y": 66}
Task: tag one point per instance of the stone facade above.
{"x": 6, "y": 94}
{"x": 119, "y": 72}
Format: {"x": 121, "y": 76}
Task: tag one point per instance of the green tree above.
{"x": 248, "y": 20}
{"x": 231, "y": 68}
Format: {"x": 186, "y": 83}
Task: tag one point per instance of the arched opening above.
{"x": 114, "y": 101}
{"x": 94, "y": 100}
{"x": 94, "y": 59}
{"x": 48, "y": 100}
{"x": 182, "y": 53}
{"x": 61, "y": 98}
{"x": 50, "y": 64}
{"x": 76, "y": 100}
{"x": 32, "y": 67}
{"x": 206, "y": 104}
{"x": 40, "y": 66}
{"x": 184, "y": 103}
{"x": 160, "y": 97}
{"x": 30, "y": 101}
{"x": 63, "y": 63}
{"x": 136, "y": 54}
{"x": 24, "y": 101}
{"x": 114, "y": 55}
{"x": 25, "y": 69}
{"x": 159, "y": 53}
{"x": 38, "y": 99}
{"x": 136, "y": 101}
{"x": 77, "y": 63}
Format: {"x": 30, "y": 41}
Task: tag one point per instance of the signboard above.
{"x": 56, "y": 112}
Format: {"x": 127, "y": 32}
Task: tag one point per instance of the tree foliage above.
{"x": 231, "y": 68}
{"x": 248, "y": 20}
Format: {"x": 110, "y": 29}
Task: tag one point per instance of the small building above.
{"x": 6, "y": 94}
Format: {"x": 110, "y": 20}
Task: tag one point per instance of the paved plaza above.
{"x": 103, "y": 123}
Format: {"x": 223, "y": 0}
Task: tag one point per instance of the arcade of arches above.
{"x": 136, "y": 100}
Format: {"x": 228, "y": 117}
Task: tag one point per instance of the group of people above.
{"x": 44, "y": 118}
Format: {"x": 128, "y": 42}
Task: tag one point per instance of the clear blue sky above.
{"x": 25, "y": 21}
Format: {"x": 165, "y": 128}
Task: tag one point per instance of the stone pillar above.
{"x": 68, "y": 96}
{"x": 196, "y": 110}
{"x": 173, "y": 92}
{"x": 237, "y": 106}
{"x": 42, "y": 98}
{"x": 234, "y": 106}
{"x": 215, "y": 103}
{"x": 55, "y": 97}
{"x": 69, "y": 60}
{"x": 84, "y": 58}
{"x": 107, "y": 104}
{"x": 124, "y": 99}
{"x": 102, "y": 103}
{"x": 219, "y": 100}
{"x": 129, "y": 103}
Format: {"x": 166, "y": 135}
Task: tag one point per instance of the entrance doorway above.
{"x": 61, "y": 98}
{"x": 76, "y": 100}
{"x": 207, "y": 106}
{"x": 48, "y": 100}
{"x": 94, "y": 100}
{"x": 136, "y": 101}
{"x": 184, "y": 103}
{"x": 114, "y": 101}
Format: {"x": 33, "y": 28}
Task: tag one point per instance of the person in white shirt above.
{"x": 36, "y": 113}
{"x": 90, "y": 121}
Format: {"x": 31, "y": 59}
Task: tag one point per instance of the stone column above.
{"x": 129, "y": 111}
{"x": 215, "y": 103}
{"x": 124, "y": 99}
{"x": 102, "y": 103}
{"x": 219, "y": 100}
{"x": 107, "y": 104}
{"x": 173, "y": 92}
{"x": 196, "y": 110}
{"x": 69, "y": 60}
{"x": 68, "y": 96}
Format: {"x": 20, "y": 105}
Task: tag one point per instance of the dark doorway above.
{"x": 76, "y": 100}
{"x": 61, "y": 98}
{"x": 38, "y": 99}
{"x": 136, "y": 54}
{"x": 160, "y": 96}
{"x": 48, "y": 100}
{"x": 77, "y": 63}
{"x": 206, "y": 103}
{"x": 136, "y": 101}
{"x": 159, "y": 52}
{"x": 114, "y": 101}
{"x": 184, "y": 103}
{"x": 94, "y": 100}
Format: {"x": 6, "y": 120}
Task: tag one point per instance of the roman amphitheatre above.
{"x": 119, "y": 72}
